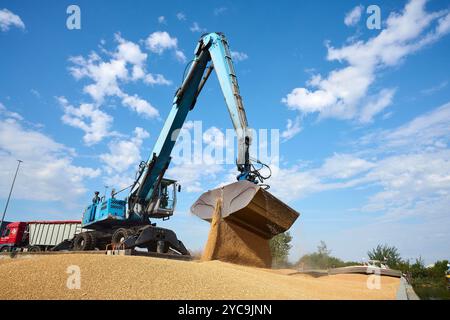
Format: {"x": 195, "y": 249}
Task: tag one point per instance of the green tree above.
{"x": 386, "y": 253}
{"x": 437, "y": 272}
{"x": 322, "y": 249}
{"x": 418, "y": 270}
{"x": 321, "y": 259}
{"x": 279, "y": 247}
{"x": 404, "y": 266}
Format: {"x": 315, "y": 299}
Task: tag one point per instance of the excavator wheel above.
{"x": 83, "y": 242}
{"x": 94, "y": 239}
{"x": 152, "y": 246}
{"x": 120, "y": 235}
{"x": 158, "y": 246}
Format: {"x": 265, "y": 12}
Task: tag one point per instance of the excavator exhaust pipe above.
{"x": 243, "y": 217}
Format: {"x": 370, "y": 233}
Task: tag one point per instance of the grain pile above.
{"x": 229, "y": 242}
{"x": 131, "y": 277}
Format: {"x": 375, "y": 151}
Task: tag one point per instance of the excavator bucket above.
{"x": 243, "y": 217}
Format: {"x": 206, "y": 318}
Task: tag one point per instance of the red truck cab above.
{"x": 13, "y": 235}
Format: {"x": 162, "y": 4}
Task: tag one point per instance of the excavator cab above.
{"x": 166, "y": 199}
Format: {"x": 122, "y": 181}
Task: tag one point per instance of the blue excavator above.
{"x": 128, "y": 223}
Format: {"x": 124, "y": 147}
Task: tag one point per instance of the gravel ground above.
{"x": 131, "y": 277}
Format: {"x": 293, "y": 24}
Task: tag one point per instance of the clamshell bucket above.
{"x": 249, "y": 206}
{"x": 243, "y": 217}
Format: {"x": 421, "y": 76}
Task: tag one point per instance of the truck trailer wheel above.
{"x": 34, "y": 249}
{"x": 4, "y": 249}
{"x": 82, "y": 242}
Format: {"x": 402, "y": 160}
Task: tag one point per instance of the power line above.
{"x": 10, "y": 192}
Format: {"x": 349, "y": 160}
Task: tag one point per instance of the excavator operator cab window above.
{"x": 164, "y": 197}
{"x": 167, "y": 197}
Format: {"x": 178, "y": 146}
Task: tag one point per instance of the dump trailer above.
{"x": 38, "y": 236}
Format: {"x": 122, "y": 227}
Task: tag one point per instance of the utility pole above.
{"x": 10, "y": 192}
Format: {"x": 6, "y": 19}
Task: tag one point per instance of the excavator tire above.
{"x": 152, "y": 247}
{"x": 94, "y": 240}
{"x": 120, "y": 235}
{"x": 82, "y": 242}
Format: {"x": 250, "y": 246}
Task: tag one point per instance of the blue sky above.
{"x": 364, "y": 114}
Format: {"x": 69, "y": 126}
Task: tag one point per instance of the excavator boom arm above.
{"x": 212, "y": 49}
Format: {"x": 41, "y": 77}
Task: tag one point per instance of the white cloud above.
{"x": 194, "y": 176}
{"x": 219, "y": 11}
{"x": 156, "y": 79}
{"x": 130, "y": 52}
{"x": 435, "y": 88}
{"x": 181, "y": 16}
{"x": 339, "y": 171}
{"x": 409, "y": 180}
{"x": 35, "y": 93}
{"x": 140, "y": 106}
{"x": 123, "y": 158}
{"x": 105, "y": 75}
{"x": 238, "y": 56}
{"x": 10, "y": 114}
{"x": 376, "y": 104}
{"x": 160, "y": 41}
{"x": 47, "y": 173}
{"x": 124, "y": 153}
{"x": 353, "y": 16}
{"x": 180, "y": 56}
{"x": 119, "y": 181}
{"x": 430, "y": 131}
{"x": 95, "y": 123}
{"x": 188, "y": 125}
{"x": 214, "y": 138}
{"x": 162, "y": 20}
{"x": 292, "y": 129}
{"x": 342, "y": 93}
{"x": 127, "y": 63}
{"x": 404, "y": 181}
{"x": 198, "y": 172}
{"x": 9, "y": 19}
{"x": 196, "y": 28}
{"x": 406, "y": 170}
{"x": 344, "y": 166}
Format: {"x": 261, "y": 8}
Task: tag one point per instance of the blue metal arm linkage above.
{"x": 212, "y": 47}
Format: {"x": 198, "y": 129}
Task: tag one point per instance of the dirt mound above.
{"x": 229, "y": 242}
{"x": 130, "y": 277}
